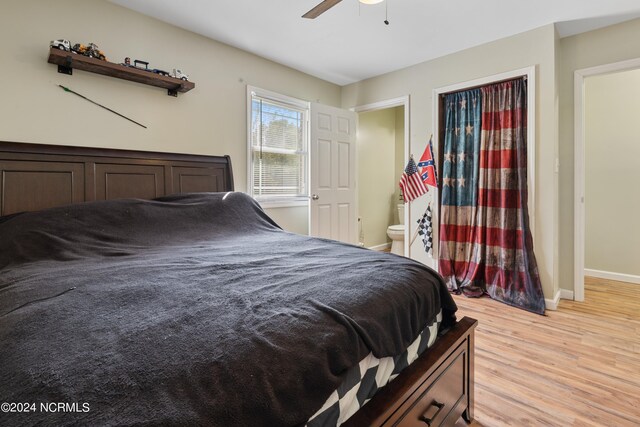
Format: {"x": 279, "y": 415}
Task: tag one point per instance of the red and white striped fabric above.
{"x": 485, "y": 240}
{"x": 411, "y": 183}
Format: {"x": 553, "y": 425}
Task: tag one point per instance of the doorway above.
{"x": 383, "y": 141}
{"x": 605, "y": 235}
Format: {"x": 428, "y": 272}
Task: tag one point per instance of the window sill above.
{"x": 283, "y": 203}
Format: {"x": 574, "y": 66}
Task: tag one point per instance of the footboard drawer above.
{"x": 441, "y": 399}
{"x": 433, "y": 391}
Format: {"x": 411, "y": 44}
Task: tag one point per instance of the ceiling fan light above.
{"x": 371, "y": 1}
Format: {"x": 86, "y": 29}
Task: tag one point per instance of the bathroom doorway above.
{"x": 382, "y": 152}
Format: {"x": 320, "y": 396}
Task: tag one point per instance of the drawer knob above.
{"x": 432, "y": 412}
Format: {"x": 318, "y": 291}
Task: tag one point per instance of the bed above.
{"x": 170, "y": 299}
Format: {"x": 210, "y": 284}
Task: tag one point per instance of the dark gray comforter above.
{"x": 192, "y": 310}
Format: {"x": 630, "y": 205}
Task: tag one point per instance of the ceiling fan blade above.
{"x": 320, "y": 9}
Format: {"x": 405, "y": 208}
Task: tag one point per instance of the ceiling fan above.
{"x": 325, "y": 5}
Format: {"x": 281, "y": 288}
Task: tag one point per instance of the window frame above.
{"x": 278, "y": 201}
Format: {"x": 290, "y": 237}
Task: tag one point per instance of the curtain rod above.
{"x": 510, "y": 79}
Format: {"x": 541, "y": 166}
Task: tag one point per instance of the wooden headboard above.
{"x": 36, "y": 176}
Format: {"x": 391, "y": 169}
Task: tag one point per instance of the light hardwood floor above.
{"x": 577, "y": 366}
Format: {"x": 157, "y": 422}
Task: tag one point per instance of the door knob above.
{"x": 315, "y": 197}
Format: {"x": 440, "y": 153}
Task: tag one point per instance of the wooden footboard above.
{"x": 433, "y": 391}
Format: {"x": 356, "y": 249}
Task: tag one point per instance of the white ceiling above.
{"x": 351, "y": 42}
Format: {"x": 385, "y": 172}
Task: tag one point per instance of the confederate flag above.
{"x": 428, "y": 167}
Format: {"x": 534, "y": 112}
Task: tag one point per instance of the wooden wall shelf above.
{"x": 67, "y": 61}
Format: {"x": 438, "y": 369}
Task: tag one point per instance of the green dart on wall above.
{"x": 66, "y": 89}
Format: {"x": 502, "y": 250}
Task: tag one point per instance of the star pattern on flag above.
{"x": 469, "y": 129}
{"x": 457, "y": 130}
{"x": 449, "y": 157}
{"x": 446, "y": 181}
{"x": 463, "y": 104}
{"x": 461, "y": 182}
{"x": 411, "y": 183}
{"x": 427, "y": 165}
{"x": 462, "y": 156}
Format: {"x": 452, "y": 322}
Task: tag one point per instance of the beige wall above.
{"x": 612, "y": 172}
{"x": 293, "y": 219}
{"x": 376, "y": 174}
{"x": 605, "y": 46}
{"x": 211, "y": 119}
{"x": 536, "y": 47}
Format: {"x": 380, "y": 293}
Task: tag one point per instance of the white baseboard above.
{"x": 566, "y": 294}
{"x": 552, "y": 304}
{"x": 382, "y": 247}
{"x": 620, "y": 277}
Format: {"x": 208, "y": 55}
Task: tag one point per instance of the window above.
{"x": 278, "y": 147}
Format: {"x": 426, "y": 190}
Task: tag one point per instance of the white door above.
{"x": 333, "y": 174}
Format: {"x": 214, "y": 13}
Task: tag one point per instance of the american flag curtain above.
{"x": 485, "y": 240}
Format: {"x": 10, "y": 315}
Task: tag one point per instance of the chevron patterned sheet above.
{"x": 370, "y": 375}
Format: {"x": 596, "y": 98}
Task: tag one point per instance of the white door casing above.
{"x": 579, "y": 165}
{"x": 332, "y": 187}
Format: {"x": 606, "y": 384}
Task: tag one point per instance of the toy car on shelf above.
{"x": 144, "y": 65}
{"x": 179, "y": 75}
{"x": 61, "y": 44}
{"x": 91, "y": 50}
{"x": 161, "y": 72}
{"x": 140, "y": 64}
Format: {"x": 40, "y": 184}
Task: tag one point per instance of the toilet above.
{"x": 396, "y": 233}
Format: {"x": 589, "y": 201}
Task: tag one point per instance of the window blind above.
{"x": 278, "y": 149}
